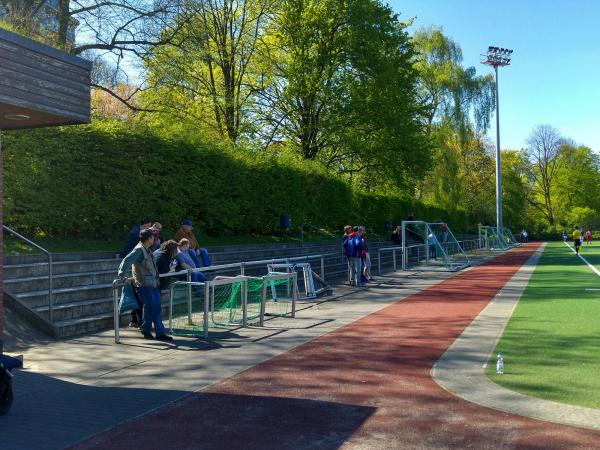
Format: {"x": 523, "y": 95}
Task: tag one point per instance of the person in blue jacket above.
{"x": 353, "y": 246}
{"x": 134, "y": 235}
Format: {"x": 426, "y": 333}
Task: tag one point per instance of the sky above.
{"x": 555, "y": 71}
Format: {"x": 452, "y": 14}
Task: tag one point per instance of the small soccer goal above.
{"x": 431, "y": 246}
{"x": 310, "y": 284}
{"x": 230, "y": 302}
{"x": 490, "y": 239}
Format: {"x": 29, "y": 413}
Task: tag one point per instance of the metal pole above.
{"x": 294, "y": 293}
{"x": 244, "y": 303}
{"x": 116, "y": 311}
{"x": 498, "y": 161}
{"x": 404, "y": 256}
{"x": 50, "y": 294}
{"x": 379, "y": 260}
{"x": 206, "y": 308}
{"x": 394, "y": 257}
{"x": 189, "y": 280}
{"x": 263, "y": 303}
{"x": 323, "y": 268}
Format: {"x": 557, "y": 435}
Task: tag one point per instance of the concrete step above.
{"x": 34, "y": 299}
{"x": 59, "y": 268}
{"x": 40, "y": 283}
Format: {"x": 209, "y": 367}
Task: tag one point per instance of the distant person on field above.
{"x": 146, "y": 283}
{"x": 588, "y": 237}
{"x": 199, "y": 255}
{"x": 134, "y": 235}
{"x": 433, "y": 245}
{"x": 577, "y": 239}
{"x": 564, "y": 235}
{"x": 166, "y": 261}
{"x": 526, "y": 235}
{"x": 186, "y": 262}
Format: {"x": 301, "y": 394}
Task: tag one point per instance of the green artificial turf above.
{"x": 551, "y": 345}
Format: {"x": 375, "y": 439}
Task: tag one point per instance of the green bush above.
{"x": 98, "y": 180}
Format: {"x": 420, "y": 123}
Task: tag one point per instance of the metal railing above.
{"x": 50, "y": 274}
{"x": 315, "y": 228}
{"x": 241, "y": 266}
{"x": 394, "y": 250}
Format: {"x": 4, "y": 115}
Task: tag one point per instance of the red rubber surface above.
{"x": 366, "y": 385}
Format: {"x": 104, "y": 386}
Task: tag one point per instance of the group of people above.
{"x": 356, "y": 250}
{"x": 147, "y": 256}
{"x": 578, "y": 236}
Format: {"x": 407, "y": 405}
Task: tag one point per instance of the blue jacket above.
{"x": 354, "y": 246}
{"x": 132, "y": 239}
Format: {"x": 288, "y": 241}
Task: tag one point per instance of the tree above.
{"x": 543, "y": 147}
{"x": 343, "y": 89}
{"x": 447, "y": 90}
{"x": 212, "y": 71}
{"x": 515, "y": 189}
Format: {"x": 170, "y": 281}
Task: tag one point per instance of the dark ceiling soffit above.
{"x": 38, "y": 47}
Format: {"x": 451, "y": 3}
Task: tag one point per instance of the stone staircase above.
{"x": 82, "y": 283}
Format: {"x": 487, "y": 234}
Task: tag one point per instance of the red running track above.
{"x": 366, "y": 385}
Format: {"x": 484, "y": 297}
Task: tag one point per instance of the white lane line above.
{"x": 596, "y": 271}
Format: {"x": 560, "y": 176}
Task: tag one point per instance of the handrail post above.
{"x": 189, "y": 280}
{"x": 294, "y": 293}
{"x": 206, "y": 307}
{"x": 242, "y": 268}
{"x": 323, "y": 268}
{"x": 244, "y": 303}
{"x": 116, "y": 311}
{"x": 50, "y": 293}
{"x": 379, "y": 261}
{"x": 394, "y": 257}
{"x": 301, "y": 235}
{"x": 263, "y": 303}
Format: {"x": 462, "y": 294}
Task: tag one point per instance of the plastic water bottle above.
{"x": 500, "y": 364}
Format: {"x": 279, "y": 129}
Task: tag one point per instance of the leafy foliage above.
{"x": 98, "y": 180}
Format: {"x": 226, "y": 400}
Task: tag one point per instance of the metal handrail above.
{"x": 387, "y": 249}
{"x": 308, "y": 225}
{"x": 50, "y": 272}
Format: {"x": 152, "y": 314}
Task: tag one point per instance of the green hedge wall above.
{"x": 98, "y": 180}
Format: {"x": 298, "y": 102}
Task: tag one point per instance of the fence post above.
{"x": 404, "y": 256}
{"x": 242, "y": 268}
{"x": 116, "y": 311}
{"x": 379, "y": 260}
{"x": 323, "y": 268}
{"x": 244, "y": 303}
{"x": 206, "y": 307}
{"x": 50, "y": 293}
{"x": 294, "y": 293}
{"x": 263, "y": 303}
{"x": 189, "y": 280}
{"x": 394, "y": 257}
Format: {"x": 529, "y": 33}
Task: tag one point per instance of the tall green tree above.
{"x": 208, "y": 77}
{"x": 344, "y": 89}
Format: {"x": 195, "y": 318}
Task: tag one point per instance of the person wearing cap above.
{"x": 199, "y": 255}
{"x": 146, "y": 283}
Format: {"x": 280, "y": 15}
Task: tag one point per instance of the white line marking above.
{"x": 592, "y": 289}
{"x": 596, "y": 271}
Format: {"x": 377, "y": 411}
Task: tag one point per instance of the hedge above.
{"x": 97, "y": 180}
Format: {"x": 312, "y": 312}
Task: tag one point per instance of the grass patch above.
{"x": 551, "y": 344}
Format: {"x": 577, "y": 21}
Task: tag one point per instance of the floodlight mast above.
{"x": 498, "y": 57}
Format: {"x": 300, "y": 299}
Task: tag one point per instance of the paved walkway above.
{"x": 366, "y": 385}
{"x": 74, "y": 389}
